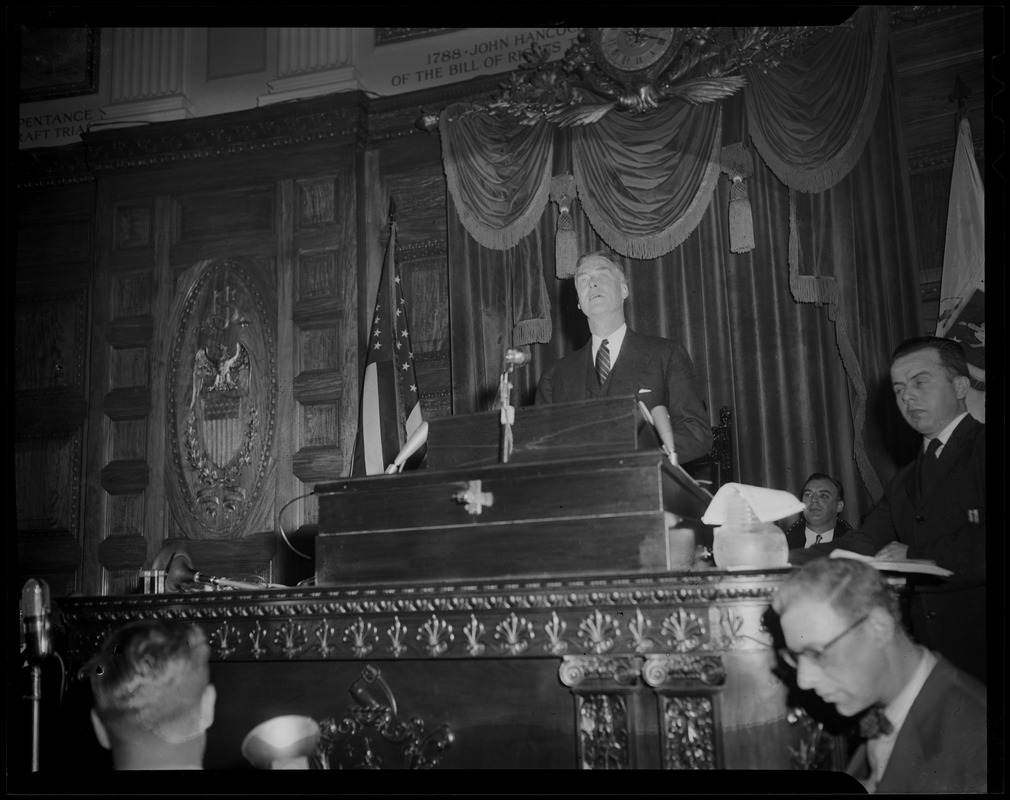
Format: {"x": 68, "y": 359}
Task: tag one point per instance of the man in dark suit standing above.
{"x": 617, "y": 361}
{"x": 923, "y": 719}
{"x": 934, "y": 508}
{"x": 824, "y": 499}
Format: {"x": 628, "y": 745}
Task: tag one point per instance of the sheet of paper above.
{"x": 919, "y": 565}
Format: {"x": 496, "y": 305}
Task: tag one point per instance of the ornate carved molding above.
{"x": 603, "y": 731}
{"x": 45, "y": 167}
{"x": 334, "y": 117}
{"x": 689, "y": 732}
{"x": 902, "y": 16}
{"x": 927, "y": 159}
{"x": 623, "y": 617}
{"x": 425, "y": 249}
{"x": 668, "y": 671}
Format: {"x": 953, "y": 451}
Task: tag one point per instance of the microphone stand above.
{"x": 35, "y": 698}
{"x": 508, "y": 413}
{"x": 35, "y": 611}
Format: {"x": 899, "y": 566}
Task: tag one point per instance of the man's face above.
{"x": 847, "y": 672}
{"x": 820, "y": 496}
{"x": 600, "y": 286}
{"x": 927, "y": 396}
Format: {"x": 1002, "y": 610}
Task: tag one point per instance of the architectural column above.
{"x": 311, "y": 62}
{"x": 148, "y": 76}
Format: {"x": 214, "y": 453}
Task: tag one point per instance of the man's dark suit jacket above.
{"x": 942, "y": 745}
{"x": 796, "y": 535}
{"x": 947, "y": 614}
{"x": 645, "y": 362}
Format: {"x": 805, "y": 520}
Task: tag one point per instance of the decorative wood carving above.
{"x": 372, "y": 725}
{"x": 551, "y": 618}
{"x": 222, "y": 390}
{"x": 242, "y": 133}
{"x": 689, "y": 735}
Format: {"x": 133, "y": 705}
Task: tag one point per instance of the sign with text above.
{"x": 462, "y": 55}
{"x": 51, "y": 128}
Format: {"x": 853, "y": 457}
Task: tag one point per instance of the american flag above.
{"x": 390, "y": 403}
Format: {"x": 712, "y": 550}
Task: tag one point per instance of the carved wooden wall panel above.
{"x": 222, "y": 398}
{"x": 324, "y": 341}
{"x": 122, "y": 468}
{"x": 225, "y": 310}
{"x": 50, "y": 381}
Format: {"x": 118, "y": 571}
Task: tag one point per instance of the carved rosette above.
{"x": 222, "y": 400}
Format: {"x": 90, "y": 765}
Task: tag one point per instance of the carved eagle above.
{"x": 224, "y": 369}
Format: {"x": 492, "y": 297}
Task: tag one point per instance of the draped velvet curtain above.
{"x": 794, "y": 335}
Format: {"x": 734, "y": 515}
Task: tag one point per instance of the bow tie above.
{"x": 875, "y": 723}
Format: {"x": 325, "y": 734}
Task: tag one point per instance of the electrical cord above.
{"x": 280, "y": 527}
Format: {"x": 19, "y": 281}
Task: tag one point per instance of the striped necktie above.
{"x": 602, "y": 362}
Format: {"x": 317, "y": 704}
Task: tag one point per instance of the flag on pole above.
{"x": 390, "y": 404}
{"x": 962, "y": 285}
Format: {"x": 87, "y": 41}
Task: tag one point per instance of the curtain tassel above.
{"x": 738, "y": 166}
{"x": 741, "y": 220}
{"x": 566, "y": 246}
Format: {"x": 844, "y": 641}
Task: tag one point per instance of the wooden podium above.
{"x": 586, "y": 490}
{"x": 540, "y": 614}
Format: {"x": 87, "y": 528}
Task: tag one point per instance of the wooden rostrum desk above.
{"x": 616, "y": 671}
{"x": 548, "y": 617}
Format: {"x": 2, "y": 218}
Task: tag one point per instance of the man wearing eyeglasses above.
{"x": 843, "y": 636}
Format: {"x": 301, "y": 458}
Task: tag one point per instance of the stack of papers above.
{"x": 919, "y": 565}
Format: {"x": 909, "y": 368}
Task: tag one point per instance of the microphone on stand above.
{"x": 35, "y": 608}
{"x": 659, "y": 418}
{"x": 514, "y": 357}
{"x": 411, "y": 446}
{"x": 517, "y": 357}
{"x": 38, "y": 646}
{"x": 180, "y": 573}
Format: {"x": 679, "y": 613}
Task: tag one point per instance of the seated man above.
{"x": 824, "y": 499}
{"x": 617, "y": 361}
{"x": 844, "y": 637}
{"x": 153, "y": 700}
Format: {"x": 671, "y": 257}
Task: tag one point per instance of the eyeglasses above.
{"x": 792, "y": 658}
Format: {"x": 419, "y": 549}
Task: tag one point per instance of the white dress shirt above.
{"x": 944, "y": 434}
{"x": 827, "y": 536}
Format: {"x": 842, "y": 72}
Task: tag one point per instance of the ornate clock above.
{"x": 634, "y": 56}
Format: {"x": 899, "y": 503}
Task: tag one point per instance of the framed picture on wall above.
{"x": 58, "y": 62}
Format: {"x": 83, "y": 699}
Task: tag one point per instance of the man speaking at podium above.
{"x": 617, "y": 361}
